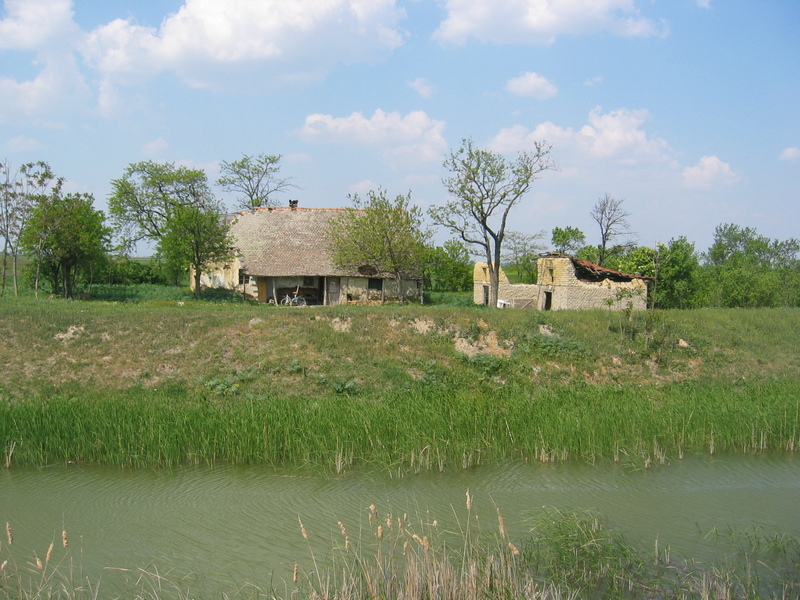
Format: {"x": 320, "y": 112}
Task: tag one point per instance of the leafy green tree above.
{"x": 380, "y": 235}
{"x": 483, "y": 188}
{"x": 639, "y": 260}
{"x": 568, "y": 240}
{"x": 255, "y": 179}
{"x": 613, "y": 222}
{"x": 677, "y": 278}
{"x": 64, "y": 235}
{"x": 144, "y": 198}
{"x": 448, "y": 268}
{"x": 523, "y": 251}
{"x": 746, "y": 269}
{"x": 195, "y": 238}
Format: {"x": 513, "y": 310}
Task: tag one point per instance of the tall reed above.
{"x": 420, "y": 429}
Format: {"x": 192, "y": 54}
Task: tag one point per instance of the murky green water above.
{"x": 231, "y": 525}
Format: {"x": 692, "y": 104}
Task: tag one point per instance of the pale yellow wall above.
{"x": 557, "y": 278}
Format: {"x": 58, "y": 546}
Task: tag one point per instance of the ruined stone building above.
{"x": 566, "y": 282}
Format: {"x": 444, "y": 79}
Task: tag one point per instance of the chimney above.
{"x": 293, "y": 204}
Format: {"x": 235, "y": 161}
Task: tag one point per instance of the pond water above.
{"x": 228, "y": 526}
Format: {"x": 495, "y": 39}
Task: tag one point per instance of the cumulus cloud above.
{"x": 532, "y": 85}
{"x": 32, "y": 24}
{"x": 21, "y": 143}
{"x": 791, "y": 154}
{"x": 540, "y": 21}
{"x": 46, "y": 29}
{"x": 206, "y": 38}
{"x": 54, "y": 87}
{"x": 156, "y": 147}
{"x": 422, "y": 87}
{"x": 709, "y": 173}
{"x": 414, "y": 136}
{"x": 613, "y": 135}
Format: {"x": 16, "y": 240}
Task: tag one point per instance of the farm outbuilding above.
{"x": 285, "y": 250}
{"x": 566, "y": 282}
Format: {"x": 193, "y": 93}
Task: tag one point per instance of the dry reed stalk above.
{"x": 3, "y": 566}
{"x": 295, "y": 576}
{"x": 469, "y": 502}
{"x": 64, "y": 540}
{"x": 379, "y": 532}
{"x": 49, "y": 554}
{"x": 9, "y": 534}
{"x": 502, "y": 525}
{"x": 346, "y": 537}
{"x": 513, "y": 548}
{"x": 39, "y": 563}
{"x": 303, "y": 529}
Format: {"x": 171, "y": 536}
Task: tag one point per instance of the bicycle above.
{"x": 294, "y": 300}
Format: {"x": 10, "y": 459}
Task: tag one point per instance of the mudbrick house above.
{"x": 566, "y": 282}
{"x": 284, "y": 251}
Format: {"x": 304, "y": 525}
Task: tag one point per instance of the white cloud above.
{"x": 540, "y": 21}
{"x": 51, "y": 89}
{"x": 614, "y": 135}
{"x": 422, "y": 87}
{"x": 593, "y": 81}
{"x": 709, "y": 173}
{"x": 532, "y": 85}
{"x": 205, "y": 39}
{"x": 791, "y": 154}
{"x": 44, "y": 28}
{"x": 704, "y": 3}
{"x": 31, "y": 24}
{"x": 362, "y": 187}
{"x": 21, "y": 143}
{"x": 156, "y": 147}
{"x": 411, "y": 138}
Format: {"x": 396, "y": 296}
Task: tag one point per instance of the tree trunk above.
{"x": 197, "y": 283}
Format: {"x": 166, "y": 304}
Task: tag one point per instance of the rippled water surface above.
{"x": 235, "y": 525}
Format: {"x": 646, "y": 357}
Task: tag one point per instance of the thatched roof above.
{"x": 286, "y": 242}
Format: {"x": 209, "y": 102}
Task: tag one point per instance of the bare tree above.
{"x": 484, "y": 187}
{"x": 19, "y": 191}
{"x": 255, "y": 178}
{"x": 523, "y": 250}
{"x": 613, "y": 222}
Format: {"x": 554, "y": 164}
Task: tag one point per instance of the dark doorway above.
{"x": 548, "y": 300}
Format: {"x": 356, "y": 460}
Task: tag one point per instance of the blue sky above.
{"x": 687, "y": 109}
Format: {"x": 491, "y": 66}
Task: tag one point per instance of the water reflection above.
{"x": 237, "y": 525}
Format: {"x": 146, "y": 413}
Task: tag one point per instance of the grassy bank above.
{"x": 401, "y": 387}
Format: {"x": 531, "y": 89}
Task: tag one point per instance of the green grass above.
{"x": 165, "y": 382}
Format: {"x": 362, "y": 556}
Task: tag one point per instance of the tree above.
{"x": 484, "y": 187}
{"x": 144, "y": 198}
{"x": 746, "y": 269}
{"x": 18, "y": 194}
{"x": 522, "y": 252}
{"x": 195, "y": 237}
{"x": 568, "y": 240}
{"x": 64, "y": 235}
{"x": 613, "y": 222}
{"x": 448, "y": 268}
{"x": 677, "y": 277}
{"x": 255, "y": 178}
{"x": 380, "y": 235}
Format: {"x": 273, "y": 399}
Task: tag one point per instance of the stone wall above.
{"x": 560, "y": 289}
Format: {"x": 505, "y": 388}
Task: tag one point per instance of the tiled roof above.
{"x": 286, "y": 242}
{"x": 598, "y": 270}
